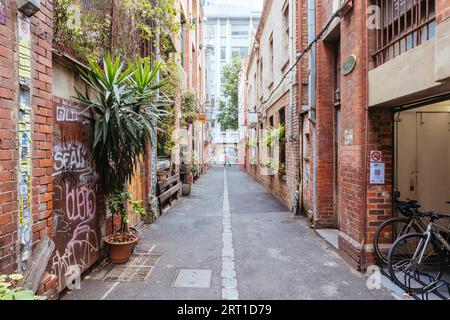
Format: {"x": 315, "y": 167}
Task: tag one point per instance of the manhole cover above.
{"x": 138, "y": 268}
{"x": 192, "y": 278}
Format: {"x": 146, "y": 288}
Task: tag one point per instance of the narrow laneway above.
{"x": 233, "y": 230}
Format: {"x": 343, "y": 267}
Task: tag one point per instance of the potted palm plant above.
{"x": 122, "y": 241}
{"x": 125, "y": 107}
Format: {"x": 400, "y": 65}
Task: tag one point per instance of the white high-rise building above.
{"x": 228, "y": 33}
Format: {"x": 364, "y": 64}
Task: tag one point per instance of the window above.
{"x": 261, "y": 77}
{"x": 223, "y": 53}
{"x": 239, "y": 30}
{"x": 282, "y": 142}
{"x": 404, "y": 24}
{"x": 210, "y": 32}
{"x": 271, "y": 121}
{"x": 286, "y": 22}
{"x": 239, "y": 52}
{"x": 182, "y": 47}
{"x": 270, "y": 77}
{"x": 223, "y": 28}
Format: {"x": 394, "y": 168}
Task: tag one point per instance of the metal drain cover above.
{"x": 192, "y": 278}
{"x": 138, "y": 268}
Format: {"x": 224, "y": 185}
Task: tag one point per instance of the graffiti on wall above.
{"x": 24, "y": 138}
{"x": 76, "y": 200}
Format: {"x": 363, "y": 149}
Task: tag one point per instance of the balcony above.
{"x": 409, "y": 46}
{"x": 404, "y": 25}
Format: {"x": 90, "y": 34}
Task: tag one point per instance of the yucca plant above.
{"x": 126, "y": 107}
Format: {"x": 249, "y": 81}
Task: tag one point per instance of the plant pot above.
{"x": 186, "y": 189}
{"x": 120, "y": 252}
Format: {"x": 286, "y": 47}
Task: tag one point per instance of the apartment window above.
{"x": 223, "y": 53}
{"x": 282, "y": 142}
{"x": 285, "y": 25}
{"x": 404, "y": 24}
{"x": 271, "y": 121}
{"x": 239, "y": 30}
{"x": 271, "y": 62}
{"x": 261, "y": 77}
{"x": 210, "y": 32}
{"x": 239, "y": 52}
{"x": 223, "y": 28}
{"x": 182, "y": 46}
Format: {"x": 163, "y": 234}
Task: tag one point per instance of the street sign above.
{"x": 376, "y": 156}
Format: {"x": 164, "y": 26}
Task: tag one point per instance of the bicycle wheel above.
{"x": 388, "y": 232}
{"x": 407, "y": 271}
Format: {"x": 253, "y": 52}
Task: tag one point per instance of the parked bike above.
{"x": 417, "y": 261}
{"x": 391, "y": 229}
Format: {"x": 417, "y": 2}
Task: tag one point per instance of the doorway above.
{"x": 422, "y": 153}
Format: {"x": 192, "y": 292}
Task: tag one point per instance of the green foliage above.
{"x": 269, "y": 164}
{"x": 88, "y": 37}
{"x": 194, "y": 168}
{"x": 251, "y": 143}
{"x": 88, "y": 33}
{"x": 275, "y": 135}
{"x": 228, "y": 109}
{"x": 189, "y": 108}
{"x": 125, "y": 108}
{"x": 166, "y": 140}
{"x": 117, "y": 205}
{"x": 9, "y": 289}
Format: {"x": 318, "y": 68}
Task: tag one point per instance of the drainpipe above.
{"x": 366, "y": 140}
{"x": 291, "y": 58}
{"x": 312, "y": 94}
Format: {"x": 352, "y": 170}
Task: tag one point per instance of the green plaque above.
{"x": 349, "y": 65}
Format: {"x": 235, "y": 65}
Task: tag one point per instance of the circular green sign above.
{"x": 349, "y": 65}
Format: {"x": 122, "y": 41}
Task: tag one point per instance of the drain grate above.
{"x": 138, "y": 268}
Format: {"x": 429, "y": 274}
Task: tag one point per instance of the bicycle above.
{"x": 417, "y": 261}
{"x": 395, "y": 227}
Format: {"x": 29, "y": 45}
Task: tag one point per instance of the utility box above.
{"x": 28, "y": 7}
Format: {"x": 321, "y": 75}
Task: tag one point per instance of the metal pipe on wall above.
{"x": 312, "y": 92}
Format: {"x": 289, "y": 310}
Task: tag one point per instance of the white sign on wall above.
{"x": 377, "y": 171}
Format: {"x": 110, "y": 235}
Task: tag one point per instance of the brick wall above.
{"x": 353, "y": 111}
{"x": 42, "y": 120}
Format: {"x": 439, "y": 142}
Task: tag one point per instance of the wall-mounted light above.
{"x": 28, "y": 7}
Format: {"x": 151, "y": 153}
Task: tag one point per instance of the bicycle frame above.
{"x": 431, "y": 231}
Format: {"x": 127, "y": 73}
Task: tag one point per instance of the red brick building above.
{"x": 26, "y": 119}
{"x": 363, "y": 130}
{"x": 44, "y": 137}
{"x": 272, "y": 98}
{"x": 363, "y": 98}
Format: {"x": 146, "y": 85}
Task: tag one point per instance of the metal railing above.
{"x": 403, "y": 25}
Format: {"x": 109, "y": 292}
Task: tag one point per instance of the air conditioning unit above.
{"x": 28, "y": 7}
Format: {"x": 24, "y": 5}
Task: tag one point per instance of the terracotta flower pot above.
{"x": 120, "y": 252}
